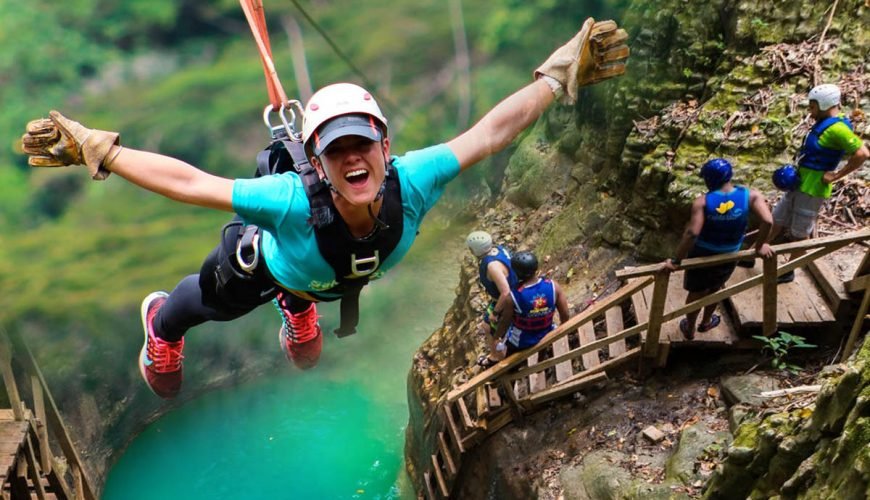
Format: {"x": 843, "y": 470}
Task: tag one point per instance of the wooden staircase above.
{"x": 639, "y": 321}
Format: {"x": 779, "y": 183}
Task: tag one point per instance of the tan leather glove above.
{"x": 597, "y": 52}
{"x": 59, "y": 141}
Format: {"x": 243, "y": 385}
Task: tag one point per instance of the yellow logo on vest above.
{"x": 725, "y": 206}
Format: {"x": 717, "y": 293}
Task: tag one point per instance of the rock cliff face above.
{"x": 610, "y": 179}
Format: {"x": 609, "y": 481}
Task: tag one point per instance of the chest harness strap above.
{"x": 354, "y": 260}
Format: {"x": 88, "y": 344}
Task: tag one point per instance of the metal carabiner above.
{"x": 288, "y": 126}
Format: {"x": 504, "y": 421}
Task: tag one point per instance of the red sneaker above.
{"x": 300, "y": 336}
{"x": 160, "y": 360}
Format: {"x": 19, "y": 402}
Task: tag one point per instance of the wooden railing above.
{"x": 820, "y": 247}
{"x": 69, "y": 481}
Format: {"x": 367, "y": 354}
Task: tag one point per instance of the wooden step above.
{"x": 427, "y": 483}
{"x": 448, "y": 456}
{"x": 467, "y": 421}
{"x": 830, "y": 285}
{"x": 587, "y": 336}
{"x": 453, "y": 428}
{"x": 439, "y": 477}
{"x": 563, "y": 370}
{"x": 799, "y": 303}
{"x": 537, "y": 381}
{"x": 613, "y": 320}
{"x": 725, "y": 334}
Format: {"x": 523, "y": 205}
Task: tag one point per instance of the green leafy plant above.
{"x": 779, "y": 346}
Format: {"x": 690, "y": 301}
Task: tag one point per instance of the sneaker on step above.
{"x": 159, "y": 360}
{"x": 300, "y": 335}
{"x": 786, "y": 278}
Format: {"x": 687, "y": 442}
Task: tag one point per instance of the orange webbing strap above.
{"x": 257, "y": 21}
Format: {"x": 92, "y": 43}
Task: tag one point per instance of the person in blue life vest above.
{"x": 717, "y": 225}
{"x": 533, "y": 303}
{"x": 497, "y": 279}
{"x": 830, "y": 141}
{"x": 315, "y": 237}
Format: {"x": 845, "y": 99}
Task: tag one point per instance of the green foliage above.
{"x": 779, "y": 345}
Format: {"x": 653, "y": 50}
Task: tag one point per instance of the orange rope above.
{"x": 257, "y": 21}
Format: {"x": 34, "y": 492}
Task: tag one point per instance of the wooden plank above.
{"x": 613, "y": 320}
{"x": 499, "y": 420}
{"x": 856, "y": 326}
{"x": 640, "y": 301}
{"x": 538, "y": 381}
{"x": 829, "y": 243}
{"x": 9, "y": 377}
{"x": 656, "y": 311}
{"x": 575, "y": 353}
{"x": 769, "y": 296}
{"x": 857, "y": 284}
{"x": 832, "y": 286}
{"x": 563, "y": 329}
{"x": 567, "y": 388}
{"x": 452, "y": 427}
{"x": 481, "y": 401}
{"x": 563, "y": 370}
{"x": 33, "y": 469}
{"x": 427, "y": 483}
{"x": 587, "y": 336}
{"x": 448, "y": 456}
{"x": 41, "y": 430}
{"x": 464, "y": 415}
{"x": 864, "y": 266}
{"x": 439, "y": 477}
{"x": 492, "y": 395}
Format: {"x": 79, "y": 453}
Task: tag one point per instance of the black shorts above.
{"x": 703, "y": 279}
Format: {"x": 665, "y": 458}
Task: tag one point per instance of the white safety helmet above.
{"x": 479, "y": 242}
{"x": 827, "y": 95}
{"x": 336, "y": 100}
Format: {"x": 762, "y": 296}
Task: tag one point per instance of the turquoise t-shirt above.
{"x": 278, "y": 205}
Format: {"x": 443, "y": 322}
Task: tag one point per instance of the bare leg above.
{"x": 692, "y": 317}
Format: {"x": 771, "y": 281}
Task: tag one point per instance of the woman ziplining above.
{"x": 319, "y": 232}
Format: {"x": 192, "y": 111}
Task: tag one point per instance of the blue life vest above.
{"x": 817, "y": 157}
{"x": 534, "y": 306}
{"x": 503, "y": 256}
{"x": 726, "y": 216}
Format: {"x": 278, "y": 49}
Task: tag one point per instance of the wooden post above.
{"x": 41, "y": 430}
{"x": 656, "y": 310}
{"x": 769, "y": 294}
{"x": 9, "y": 378}
{"x": 78, "y": 482}
{"x": 856, "y": 327}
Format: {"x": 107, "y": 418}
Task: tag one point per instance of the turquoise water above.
{"x": 336, "y": 431}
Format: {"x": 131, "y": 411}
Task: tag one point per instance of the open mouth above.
{"x": 357, "y": 177}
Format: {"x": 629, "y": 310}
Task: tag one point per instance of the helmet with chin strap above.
{"x": 716, "y": 173}
{"x": 344, "y": 109}
{"x": 524, "y": 264}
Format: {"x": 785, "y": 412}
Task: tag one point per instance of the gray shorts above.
{"x": 797, "y": 213}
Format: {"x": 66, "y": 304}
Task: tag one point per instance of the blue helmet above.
{"x": 716, "y": 173}
{"x": 786, "y": 178}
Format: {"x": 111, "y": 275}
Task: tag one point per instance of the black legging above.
{"x": 198, "y": 298}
